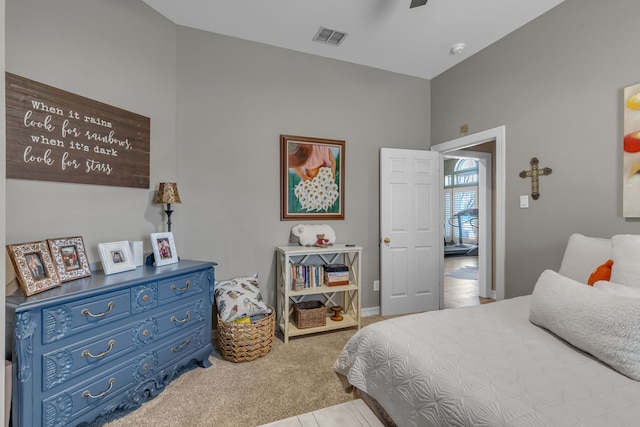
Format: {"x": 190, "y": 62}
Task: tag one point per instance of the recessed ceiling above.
{"x": 384, "y": 34}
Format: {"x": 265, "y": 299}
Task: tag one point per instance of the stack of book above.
{"x": 336, "y": 274}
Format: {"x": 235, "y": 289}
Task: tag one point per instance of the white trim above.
{"x": 370, "y": 311}
{"x": 499, "y": 135}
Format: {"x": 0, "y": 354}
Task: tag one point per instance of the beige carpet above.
{"x": 292, "y": 379}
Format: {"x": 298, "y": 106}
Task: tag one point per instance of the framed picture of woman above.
{"x": 70, "y": 258}
{"x": 164, "y": 249}
{"x": 312, "y": 178}
{"x": 34, "y": 267}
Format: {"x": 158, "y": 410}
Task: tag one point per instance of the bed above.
{"x": 567, "y": 355}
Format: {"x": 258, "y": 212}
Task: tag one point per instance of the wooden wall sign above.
{"x": 53, "y": 135}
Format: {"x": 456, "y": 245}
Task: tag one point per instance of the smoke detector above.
{"x": 457, "y": 48}
{"x": 330, "y": 36}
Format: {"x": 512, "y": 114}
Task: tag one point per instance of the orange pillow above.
{"x": 603, "y": 272}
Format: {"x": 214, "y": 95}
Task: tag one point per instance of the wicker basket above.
{"x": 244, "y": 342}
{"x": 309, "y": 314}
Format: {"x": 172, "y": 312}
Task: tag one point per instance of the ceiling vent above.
{"x": 329, "y": 36}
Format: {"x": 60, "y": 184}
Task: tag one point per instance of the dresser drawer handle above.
{"x": 145, "y": 298}
{"x": 175, "y": 319}
{"x": 86, "y": 393}
{"x": 87, "y": 353}
{"x": 175, "y": 288}
{"x": 181, "y": 346}
{"x": 86, "y": 312}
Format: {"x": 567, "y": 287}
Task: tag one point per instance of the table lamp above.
{"x": 167, "y": 193}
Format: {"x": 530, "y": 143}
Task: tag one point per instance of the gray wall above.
{"x": 217, "y": 107}
{"x": 235, "y": 98}
{"x": 119, "y": 52}
{"x": 557, "y": 85}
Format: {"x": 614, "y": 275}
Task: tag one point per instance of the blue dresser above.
{"x": 94, "y": 348}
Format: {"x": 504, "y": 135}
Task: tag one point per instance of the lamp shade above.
{"x": 167, "y": 193}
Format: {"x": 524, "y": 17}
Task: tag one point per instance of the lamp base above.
{"x": 168, "y": 212}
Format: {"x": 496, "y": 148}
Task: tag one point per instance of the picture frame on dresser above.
{"x": 164, "y": 248}
{"x": 116, "y": 257}
{"x": 34, "y": 267}
{"x": 70, "y": 258}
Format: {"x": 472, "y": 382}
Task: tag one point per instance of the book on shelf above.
{"x": 304, "y": 276}
{"x": 336, "y": 275}
{"x": 336, "y": 268}
{"x": 334, "y": 279}
{"x": 337, "y": 282}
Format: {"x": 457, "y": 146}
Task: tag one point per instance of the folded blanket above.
{"x": 604, "y": 325}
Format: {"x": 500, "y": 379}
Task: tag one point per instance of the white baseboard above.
{"x": 370, "y": 311}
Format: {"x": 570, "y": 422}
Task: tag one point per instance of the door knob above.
{"x": 387, "y": 240}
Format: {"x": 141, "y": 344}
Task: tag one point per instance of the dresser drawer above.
{"x": 185, "y": 345}
{"x": 72, "y": 403}
{"x": 182, "y": 317}
{"x": 61, "y": 321}
{"x": 66, "y": 363}
{"x": 179, "y": 287}
{"x": 60, "y": 409}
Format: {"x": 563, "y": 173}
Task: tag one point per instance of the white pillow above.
{"x": 625, "y": 253}
{"x": 617, "y": 289}
{"x": 603, "y": 325}
{"x": 583, "y": 255}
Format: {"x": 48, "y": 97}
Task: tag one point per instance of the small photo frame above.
{"x": 116, "y": 257}
{"x": 34, "y": 267}
{"x": 164, "y": 248}
{"x": 70, "y": 258}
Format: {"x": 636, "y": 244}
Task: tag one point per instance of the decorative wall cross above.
{"x": 534, "y": 173}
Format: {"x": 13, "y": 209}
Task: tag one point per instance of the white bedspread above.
{"x": 484, "y": 366}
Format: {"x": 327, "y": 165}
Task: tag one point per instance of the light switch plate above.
{"x": 524, "y": 202}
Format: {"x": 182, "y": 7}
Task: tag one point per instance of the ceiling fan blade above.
{"x": 416, "y": 3}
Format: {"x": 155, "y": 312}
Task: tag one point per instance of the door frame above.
{"x": 497, "y": 134}
{"x": 485, "y": 228}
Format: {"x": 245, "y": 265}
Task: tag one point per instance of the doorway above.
{"x": 411, "y": 270}
{"x": 467, "y": 209}
{"x": 492, "y": 264}
{"x": 461, "y": 230}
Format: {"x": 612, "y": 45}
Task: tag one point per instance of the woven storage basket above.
{"x": 244, "y": 342}
{"x": 309, "y": 314}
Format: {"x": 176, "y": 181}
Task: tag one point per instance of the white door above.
{"x": 411, "y": 244}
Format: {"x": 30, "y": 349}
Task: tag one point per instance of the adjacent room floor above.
{"x": 461, "y": 282}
